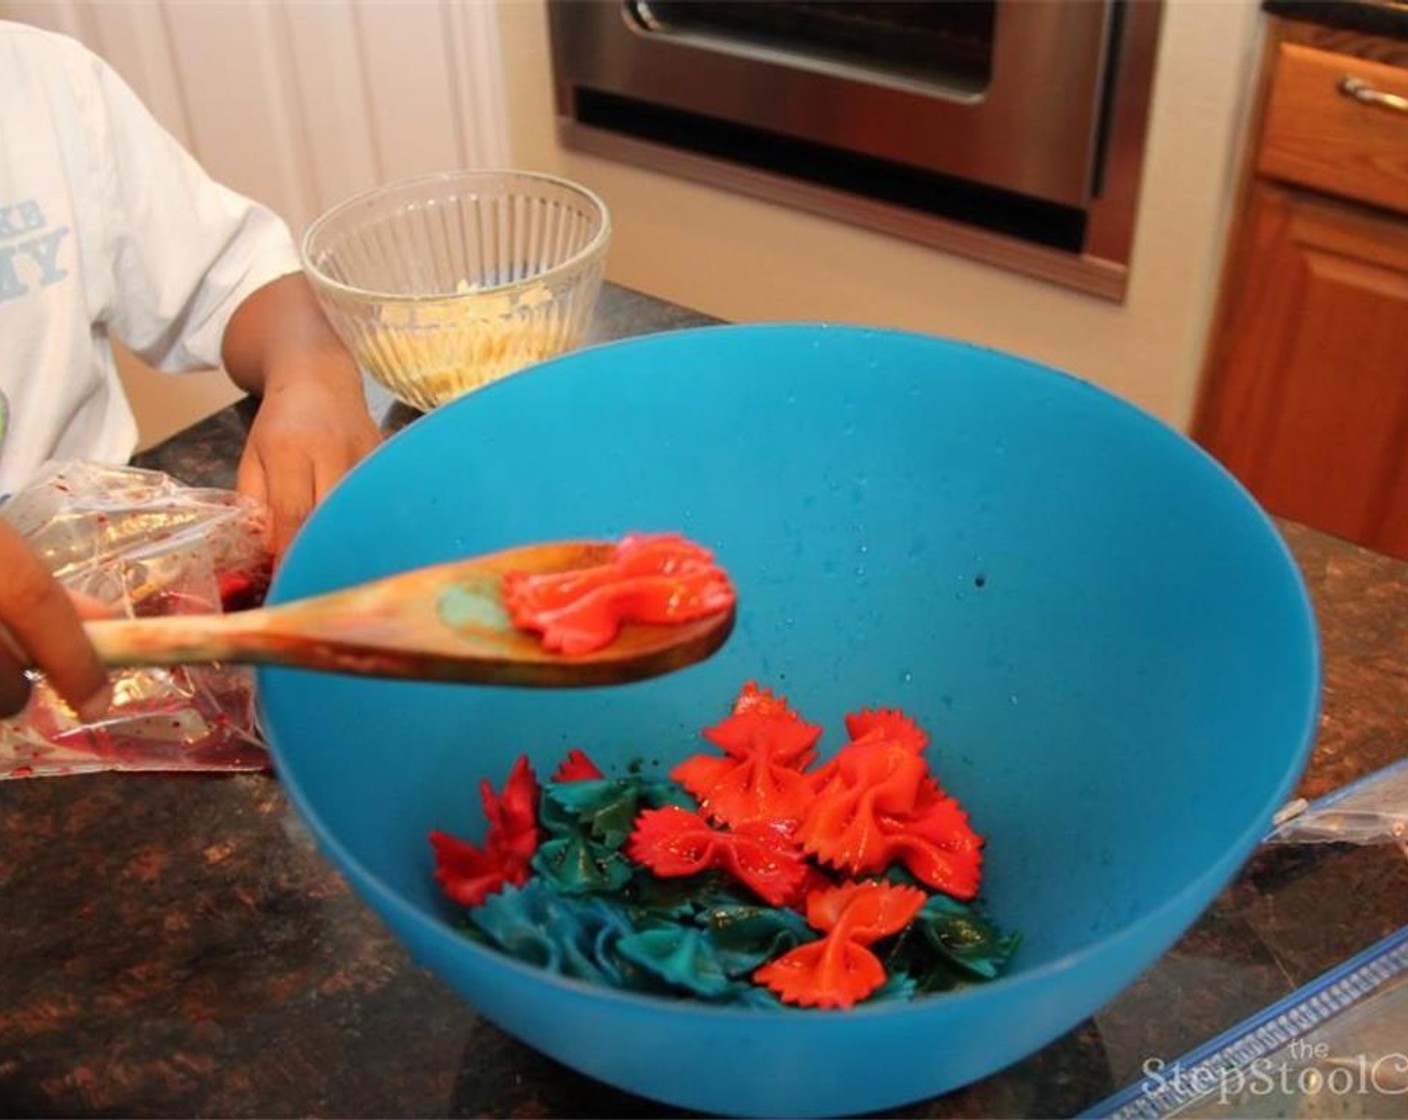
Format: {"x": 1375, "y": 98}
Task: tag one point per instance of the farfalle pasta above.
{"x": 757, "y": 877}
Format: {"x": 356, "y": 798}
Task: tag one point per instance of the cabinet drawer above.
{"x": 1319, "y": 135}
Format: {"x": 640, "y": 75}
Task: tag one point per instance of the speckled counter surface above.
{"x": 175, "y": 946}
{"x": 1388, "y": 18}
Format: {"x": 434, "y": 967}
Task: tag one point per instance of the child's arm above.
{"x": 203, "y": 276}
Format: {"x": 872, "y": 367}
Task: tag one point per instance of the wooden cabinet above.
{"x": 1306, "y": 393}
{"x": 1337, "y": 124}
{"x": 1310, "y": 408}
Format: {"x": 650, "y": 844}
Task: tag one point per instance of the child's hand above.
{"x": 312, "y": 425}
{"x": 311, "y": 428}
{"x": 39, "y": 626}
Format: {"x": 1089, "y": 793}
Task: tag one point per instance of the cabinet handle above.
{"x": 1366, "y": 94}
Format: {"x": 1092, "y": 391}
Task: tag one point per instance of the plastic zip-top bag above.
{"x": 1337, "y": 1047}
{"x": 1372, "y": 810}
{"x": 143, "y": 544}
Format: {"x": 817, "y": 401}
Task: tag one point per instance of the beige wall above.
{"x": 746, "y": 260}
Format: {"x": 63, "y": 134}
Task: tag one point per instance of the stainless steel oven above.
{"x": 997, "y": 115}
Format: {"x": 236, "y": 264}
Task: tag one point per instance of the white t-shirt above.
{"x": 106, "y": 224}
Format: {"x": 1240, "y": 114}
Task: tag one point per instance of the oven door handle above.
{"x": 640, "y": 11}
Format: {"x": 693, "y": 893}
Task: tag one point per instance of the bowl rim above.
{"x": 1213, "y": 878}
{"x": 576, "y": 261}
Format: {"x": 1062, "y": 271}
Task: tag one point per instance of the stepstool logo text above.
{"x": 29, "y": 250}
{"x": 1312, "y": 1071}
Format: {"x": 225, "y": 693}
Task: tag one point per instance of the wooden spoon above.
{"x": 441, "y": 623}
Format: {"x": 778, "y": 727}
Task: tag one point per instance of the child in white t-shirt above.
{"x": 107, "y": 225}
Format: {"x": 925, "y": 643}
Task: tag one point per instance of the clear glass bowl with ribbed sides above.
{"x": 444, "y": 283}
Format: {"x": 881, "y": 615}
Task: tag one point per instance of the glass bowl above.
{"x": 444, "y": 283}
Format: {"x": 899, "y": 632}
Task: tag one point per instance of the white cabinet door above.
{"x": 300, "y": 103}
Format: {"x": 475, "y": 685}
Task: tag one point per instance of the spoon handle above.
{"x": 285, "y": 636}
{"x": 238, "y": 637}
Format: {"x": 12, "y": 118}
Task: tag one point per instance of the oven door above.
{"x": 1005, "y": 93}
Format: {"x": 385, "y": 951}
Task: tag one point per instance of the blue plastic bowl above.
{"x": 1107, "y": 639}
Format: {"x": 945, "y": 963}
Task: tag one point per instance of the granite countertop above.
{"x": 1388, "y": 18}
{"x": 175, "y": 946}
